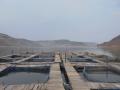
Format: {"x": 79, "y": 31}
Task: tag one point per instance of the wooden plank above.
{"x": 55, "y": 82}
{"x": 2, "y": 87}
{"x": 3, "y": 67}
{"x": 76, "y": 81}
{"x": 24, "y": 59}
{"x": 57, "y": 58}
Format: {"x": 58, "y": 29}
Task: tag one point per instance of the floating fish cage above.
{"x": 44, "y": 57}
{"x": 65, "y": 78}
{"x": 100, "y": 74}
{"x": 47, "y": 54}
{"x": 24, "y": 75}
{"x": 11, "y": 58}
{"x": 80, "y": 59}
{"x": 41, "y": 59}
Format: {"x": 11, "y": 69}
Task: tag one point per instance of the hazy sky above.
{"x": 79, "y": 20}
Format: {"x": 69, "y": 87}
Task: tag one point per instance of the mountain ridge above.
{"x": 6, "y": 40}
{"x": 115, "y": 42}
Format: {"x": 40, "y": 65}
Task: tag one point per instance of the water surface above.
{"x": 24, "y": 78}
{"x": 103, "y": 76}
{"x": 14, "y": 76}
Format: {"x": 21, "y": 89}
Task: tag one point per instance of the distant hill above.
{"x": 64, "y": 43}
{"x": 6, "y": 40}
{"x": 115, "y": 42}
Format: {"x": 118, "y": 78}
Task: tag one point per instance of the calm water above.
{"x": 24, "y": 78}
{"x": 103, "y": 76}
{"x": 14, "y": 76}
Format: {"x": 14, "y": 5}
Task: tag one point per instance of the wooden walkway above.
{"x": 3, "y": 67}
{"x": 24, "y": 87}
{"x": 55, "y": 81}
{"x": 95, "y": 85}
{"x": 24, "y": 59}
{"x": 57, "y": 58}
{"x": 83, "y": 64}
{"x": 5, "y": 56}
{"x": 112, "y": 66}
{"x": 36, "y": 63}
{"x": 77, "y": 82}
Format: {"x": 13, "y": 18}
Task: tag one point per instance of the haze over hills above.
{"x": 115, "y": 42}
{"x": 64, "y": 42}
{"x": 6, "y": 40}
